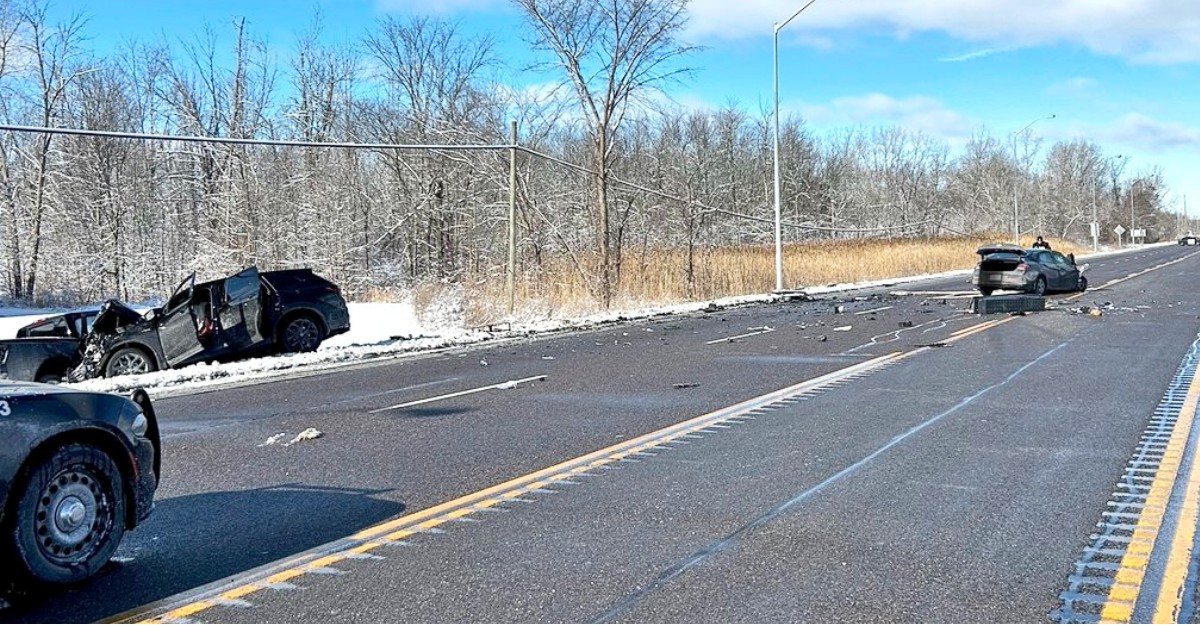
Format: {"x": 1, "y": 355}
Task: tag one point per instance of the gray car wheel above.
{"x": 129, "y": 361}
{"x": 70, "y": 516}
{"x": 302, "y": 334}
{"x": 1039, "y": 287}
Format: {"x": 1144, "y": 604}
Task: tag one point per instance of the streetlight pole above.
{"x": 775, "y": 90}
{"x": 1132, "y": 228}
{"x": 1016, "y": 213}
{"x": 1095, "y": 222}
{"x": 1124, "y": 162}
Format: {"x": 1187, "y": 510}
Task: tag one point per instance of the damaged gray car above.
{"x": 1036, "y": 271}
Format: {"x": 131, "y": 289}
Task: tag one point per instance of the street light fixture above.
{"x": 778, "y": 211}
{"x": 1016, "y": 213}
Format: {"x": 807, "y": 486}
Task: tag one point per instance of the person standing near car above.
{"x": 1041, "y": 243}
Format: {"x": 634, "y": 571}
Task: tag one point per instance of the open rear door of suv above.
{"x": 241, "y": 312}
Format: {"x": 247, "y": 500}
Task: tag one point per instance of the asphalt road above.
{"x": 957, "y": 476}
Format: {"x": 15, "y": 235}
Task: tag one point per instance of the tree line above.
{"x": 606, "y": 169}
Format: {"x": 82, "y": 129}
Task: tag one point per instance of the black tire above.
{"x": 51, "y": 378}
{"x": 302, "y": 333}
{"x": 68, "y": 517}
{"x": 129, "y": 361}
{"x": 1082, "y": 284}
{"x": 1039, "y": 287}
{"x": 985, "y": 292}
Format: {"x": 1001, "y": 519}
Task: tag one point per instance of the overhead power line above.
{"x": 80, "y": 132}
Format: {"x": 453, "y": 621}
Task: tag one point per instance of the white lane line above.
{"x": 895, "y": 335}
{"x": 741, "y": 336}
{"x": 1116, "y": 281}
{"x": 944, "y": 294}
{"x": 503, "y": 385}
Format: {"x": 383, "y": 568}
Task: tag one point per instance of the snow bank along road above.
{"x": 900, "y": 460}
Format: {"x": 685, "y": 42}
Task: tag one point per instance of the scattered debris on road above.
{"x": 905, "y": 324}
{"x": 686, "y": 384}
{"x": 843, "y": 328}
{"x": 306, "y": 435}
{"x": 271, "y": 440}
{"x": 874, "y": 310}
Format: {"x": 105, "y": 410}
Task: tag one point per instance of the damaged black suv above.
{"x": 249, "y": 313}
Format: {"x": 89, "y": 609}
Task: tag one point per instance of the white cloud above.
{"x": 1151, "y": 134}
{"x": 923, "y": 114}
{"x": 1148, "y": 31}
{"x": 1077, "y": 87}
{"x": 977, "y": 54}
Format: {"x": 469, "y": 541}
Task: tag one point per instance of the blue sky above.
{"x": 1122, "y": 73}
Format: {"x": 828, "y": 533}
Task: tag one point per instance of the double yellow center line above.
{"x": 232, "y": 591}
{"x": 1128, "y": 586}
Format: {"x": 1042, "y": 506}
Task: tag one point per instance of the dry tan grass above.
{"x": 657, "y": 277}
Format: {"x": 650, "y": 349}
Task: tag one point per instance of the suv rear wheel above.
{"x": 302, "y": 334}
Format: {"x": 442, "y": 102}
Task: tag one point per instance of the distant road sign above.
{"x": 1119, "y": 230}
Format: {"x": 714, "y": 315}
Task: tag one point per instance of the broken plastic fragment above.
{"x": 843, "y": 328}
{"x": 306, "y": 435}
{"x": 271, "y": 440}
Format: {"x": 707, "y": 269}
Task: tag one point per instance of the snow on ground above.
{"x": 390, "y": 330}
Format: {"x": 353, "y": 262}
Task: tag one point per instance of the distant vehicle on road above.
{"x": 77, "y": 469}
{"x": 246, "y": 314}
{"x": 1036, "y": 271}
{"x": 1189, "y": 239}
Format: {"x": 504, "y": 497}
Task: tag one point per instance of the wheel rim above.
{"x": 74, "y": 514}
{"x": 302, "y": 335}
{"x": 1040, "y": 287}
{"x": 129, "y": 363}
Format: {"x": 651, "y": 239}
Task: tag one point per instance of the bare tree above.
{"x": 614, "y": 54}
{"x": 435, "y": 92}
{"x": 53, "y": 52}
{"x": 10, "y": 239}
